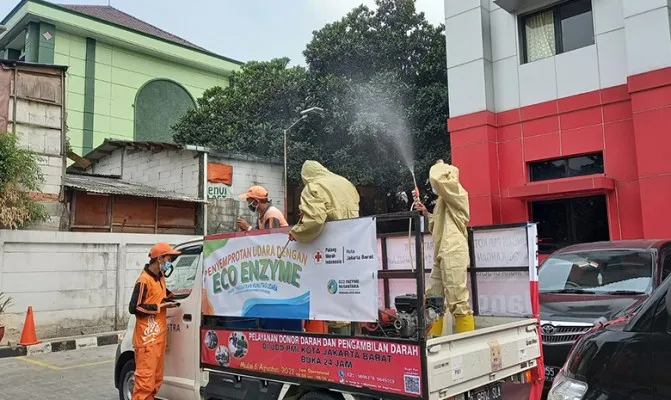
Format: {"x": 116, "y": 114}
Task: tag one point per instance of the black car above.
{"x": 582, "y": 286}
{"x": 622, "y": 359}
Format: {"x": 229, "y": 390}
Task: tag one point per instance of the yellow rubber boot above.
{"x": 437, "y": 327}
{"x": 464, "y": 323}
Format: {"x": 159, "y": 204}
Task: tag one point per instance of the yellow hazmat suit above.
{"x": 448, "y": 226}
{"x": 325, "y": 197}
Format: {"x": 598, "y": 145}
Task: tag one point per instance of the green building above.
{"x": 126, "y": 79}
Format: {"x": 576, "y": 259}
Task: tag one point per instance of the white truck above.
{"x": 503, "y": 350}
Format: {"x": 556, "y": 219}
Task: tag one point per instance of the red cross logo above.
{"x": 318, "y": 257}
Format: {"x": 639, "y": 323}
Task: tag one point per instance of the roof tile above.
{"x": 115, "y": 16}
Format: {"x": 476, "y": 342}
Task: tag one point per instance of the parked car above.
{"x": 622, "y": 359}
{"x": 588, "y": 284}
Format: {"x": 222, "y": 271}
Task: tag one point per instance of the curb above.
{"x": 58, "y": 345}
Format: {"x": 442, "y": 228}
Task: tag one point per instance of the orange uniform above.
{"x": 272, "y": 218}
{"x": 150, "y": 334}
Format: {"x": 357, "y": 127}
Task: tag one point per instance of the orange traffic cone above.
{"x": 28, "y": 336}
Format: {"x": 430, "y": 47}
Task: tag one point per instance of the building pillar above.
{"x": 40, "y": 40}
{"x": 649, "y": 85}
{"x": 32, "y": 42}
{"x": 472, "y": 124}
{"x": 46, "y": 43}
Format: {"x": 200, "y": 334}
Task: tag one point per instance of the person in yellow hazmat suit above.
{"x": 448, "y": 226}
{"x": 325, "y": 197}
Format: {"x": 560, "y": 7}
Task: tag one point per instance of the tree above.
{"x": 379, "y": 74}
{"x": 19, "y": 176}
{"x": 392, "y": 50}
{"x": 248, "y": 115}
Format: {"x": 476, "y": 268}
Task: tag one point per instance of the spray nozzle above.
{"x": 415, "y": 193}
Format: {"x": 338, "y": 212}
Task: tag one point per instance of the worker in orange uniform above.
{"x": 148, "y": 303}
{"x": 270, "y": 217}
{"x": 257, "y": 201}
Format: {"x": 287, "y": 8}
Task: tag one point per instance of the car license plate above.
{"x": 491, "y": 392}
{"x": 550, "y": 373}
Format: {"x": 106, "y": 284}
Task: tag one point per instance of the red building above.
{"x": 561, "y": 114}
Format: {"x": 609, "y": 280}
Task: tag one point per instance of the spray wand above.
{"x": 415, "y": 200}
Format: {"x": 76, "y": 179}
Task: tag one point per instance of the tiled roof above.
{"x": 112, "y": 15}
{"x": 111, "y": 185}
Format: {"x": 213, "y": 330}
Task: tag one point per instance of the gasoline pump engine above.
{"x": 401, "y": 321}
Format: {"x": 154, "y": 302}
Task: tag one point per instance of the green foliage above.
{"x": 5, "y": 302}
{"x": 249, "y": 115}
{"x": 380, "y": 75}
{"x": 19, "y": 176}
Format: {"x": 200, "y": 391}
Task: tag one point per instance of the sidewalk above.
{"x": 62, "y": 344}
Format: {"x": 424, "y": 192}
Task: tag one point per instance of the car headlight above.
{"x": 565, "y": 388}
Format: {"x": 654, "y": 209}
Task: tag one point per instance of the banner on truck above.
{"x": 382, "y": 366}
{"x": 333, "y": 278}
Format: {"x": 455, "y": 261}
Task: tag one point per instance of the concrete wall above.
{"x": 77, "y": 283}
{"x": 34, "y": 113}
{"x": 485, "y": 68}
{"x": 175, "y": 170}
{"x": 222, "y": 212}
{"x": 179, "y": 171}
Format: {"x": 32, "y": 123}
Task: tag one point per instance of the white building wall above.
{"x": 77, "y": 283}
{"x": 223, "y": 212}
{"x": 179, "y": 171}
{"x": 484, "y": 57}
{"x": 174, "y": 170}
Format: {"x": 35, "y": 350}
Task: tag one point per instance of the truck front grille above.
{"x": 562, "y": 334}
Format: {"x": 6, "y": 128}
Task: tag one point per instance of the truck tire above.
{"x": 318, "y": 395}
{"x": 127, "y": 380}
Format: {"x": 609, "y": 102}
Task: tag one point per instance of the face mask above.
{"x": 253, "y": 207}
{"x": 166, "y": 266}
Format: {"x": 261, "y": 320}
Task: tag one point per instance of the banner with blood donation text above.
{"x": 381, "y": 366}
{"x": 332, "y": 278}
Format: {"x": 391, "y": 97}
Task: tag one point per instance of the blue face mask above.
{"x": 166, "y": 266}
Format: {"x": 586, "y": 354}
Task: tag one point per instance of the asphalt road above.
{"x": 70, "y": 375}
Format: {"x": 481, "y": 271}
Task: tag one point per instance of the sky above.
{"x": 243, "y": 29}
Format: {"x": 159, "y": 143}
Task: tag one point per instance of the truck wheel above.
{"x": 321, "y": 396}
{"x": 127, "y": 380}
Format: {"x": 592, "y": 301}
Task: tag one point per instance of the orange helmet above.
{"x": 255, "y": 192}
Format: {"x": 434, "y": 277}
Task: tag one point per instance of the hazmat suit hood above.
{"x": 312, "y": 171}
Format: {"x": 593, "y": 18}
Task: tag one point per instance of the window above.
{"x": 666, "y": 264}
{"x": 185, "y": 267}
{"x": 566, "y": 167}
{"x": 569, "y": 221}
{"x": 598, "y": 271}
{"x": 158, "y": 106}
{"x": 565, "y": 27}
